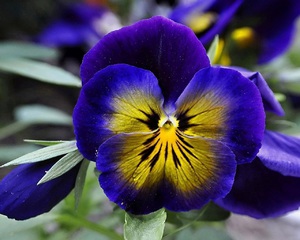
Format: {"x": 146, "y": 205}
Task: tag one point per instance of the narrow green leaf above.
{"x": 39, "y": 71}
{"x": 40, "y": 114}
{"x": 62, "y": 166}
{"x": 12, "y": 128}
{"x": 145, "y": 227}
{"x": 43, "y": 142}
{"x": 44, "y": 153}
{"x": 80, "y": 180}
{"x": 211, "y": 53}
{"x": 27, "y": 50}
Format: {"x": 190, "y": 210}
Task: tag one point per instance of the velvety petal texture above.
{"x": 156, "y": 44}
{"x": 20, "y": 196}
{"x": 261, "y": 193}
{"x": 220, "y": 103}
{"x": 270, "y": 102}
{"x": 143, "y": 174}
{"x": 118, "y": 99}
{"x": 281, "y": 153}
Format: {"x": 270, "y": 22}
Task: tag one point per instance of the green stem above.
{"x": 82, "y": 222}
{"x": 188, "y": 224}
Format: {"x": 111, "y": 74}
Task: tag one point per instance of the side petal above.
{"x": 281, "y": 153}
{"x": 223, "y": 105}
{"x": 145, "y": 172}
{"x": 261, "y": 193}
{"x": 170, "y": 50}
{"x": 20, "y": 196}
{"x": 118, "y": 99}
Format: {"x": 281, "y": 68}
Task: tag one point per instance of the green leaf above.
{"x": 26, "y": 50}
{"x": 39, "y": 71}
{"x": 144, "y": 227}
{"x": 40, "y": 114}
{"x": 44, "y": 153}
{"x": 211, "y": 53}
{"x": 43, "y": 142}
{"x": 62, "y": 166}
{"x": 80, "y": 180}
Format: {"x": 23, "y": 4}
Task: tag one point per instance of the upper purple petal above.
{"x": 170, "y": 50}
{"x": 260, "y": 192}
{"x": 20, "y": 196}
{"x": 281, "y": 153}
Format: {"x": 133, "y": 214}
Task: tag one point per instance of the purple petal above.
{"x": 221, "y": 104}
{"x": 20, "y": 196}
{"x": 269, "y": 100}
{"x": 118, "y": 99}
{"x": 170, "y": 50}
{"x": 145, "y": 172}
{"x": 261, "y": 193}
{"x": 281, "y": 153}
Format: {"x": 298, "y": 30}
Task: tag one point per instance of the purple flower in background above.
{"x": 79, "y": 24}
{"x": 164, "y": 127}
{"x": 263, "y": 27}
{"x": 267, "y": 187}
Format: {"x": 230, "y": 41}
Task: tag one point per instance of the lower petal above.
{"x": 20, "y": 196}
{"x": 261, "y": 193}
{"x": 143, "y": 172}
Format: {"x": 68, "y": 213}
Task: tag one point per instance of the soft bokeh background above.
{"x": 32, "y": 109}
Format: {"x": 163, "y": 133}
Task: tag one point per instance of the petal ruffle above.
{"x": 118, "y": 99}
{"x": 269, "y": 100}
{"x": 281, "y": 153}
{"x": 223, "y": 105}
{"x": 169, "y": 50}
{"x": 260, "y": 192}
{"x": 145, "y": 172}
{"x": 20, "y": 196}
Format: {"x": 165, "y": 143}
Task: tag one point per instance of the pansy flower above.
{"x": 164, "y": 127}
{"x": 267, "y": 187}
{"x": 263, "y": 29}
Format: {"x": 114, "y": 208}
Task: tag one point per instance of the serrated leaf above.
{"x": 27, "y": 50}
{"x": 44, "y": 153}
{"x": 211, "y": 53}
{"x": 40, "y": 114}
{"x": 62, "y": 166}
{"x": 144, "y": 227}
{"x": 39, "y": 71}
{"x": 43, "y": 142}
{"x": 80, "y": 180}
